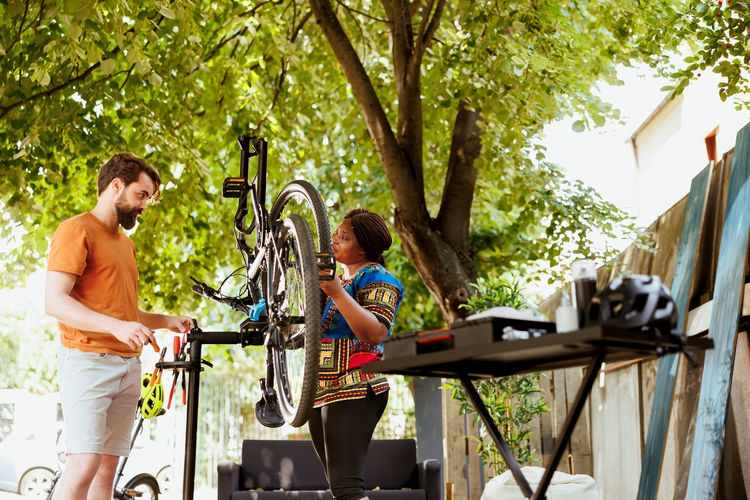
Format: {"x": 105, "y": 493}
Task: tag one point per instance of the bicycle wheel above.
{"x": 142, "y": 486}
{"x": 303, "y": 199}
{"x": 295, "y": 320}
{"x": 53, "y": 485}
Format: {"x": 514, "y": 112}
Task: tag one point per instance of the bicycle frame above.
{"x": 256, "y": 190}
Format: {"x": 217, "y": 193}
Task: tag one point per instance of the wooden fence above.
{"x": 609, "y": 438}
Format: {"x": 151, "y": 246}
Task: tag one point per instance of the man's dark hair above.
{"x": 371, "y": 232}
{"x": 127, "y": 167}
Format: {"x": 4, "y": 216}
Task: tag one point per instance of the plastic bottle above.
{"x": 566, "y": 316}
{"x": 584, "y": 287}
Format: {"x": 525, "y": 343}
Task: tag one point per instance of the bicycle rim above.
{"x": 145, "y": 484}
{"x": 296, "y": 349}
{"x": 303, "y": 199}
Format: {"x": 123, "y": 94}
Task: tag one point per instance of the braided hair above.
{"x": 371, "y": 232}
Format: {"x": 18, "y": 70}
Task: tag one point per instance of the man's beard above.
{"x": 126, "y": 216}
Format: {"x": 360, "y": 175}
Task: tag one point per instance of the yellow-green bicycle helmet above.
{"x": 152, "y": 397}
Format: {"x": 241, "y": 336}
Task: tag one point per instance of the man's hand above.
{"x": 133, "y": 333}
{"x": 179, "y": 324}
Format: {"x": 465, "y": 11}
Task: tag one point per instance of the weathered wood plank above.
{"x": 717, "y": 370}
{"x": 713, "y": 220}
{"x": 684, "y": 259}
{"x": 581, "y": 461}
{"x": 615, "y": 430}
{"x": 559, "y": 409}
{"x": 672, "y": 224}
{"x": 687, "y": 400}
{"x": 455, "y": 447}
{"x": 548, "y": 431}
{"x": 740, "y": 401}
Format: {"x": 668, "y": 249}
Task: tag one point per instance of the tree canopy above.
{"x": 428, "y": 112}
{"x": 716, "y": 34}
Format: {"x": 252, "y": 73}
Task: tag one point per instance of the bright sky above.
{"x": 603, "y": 158}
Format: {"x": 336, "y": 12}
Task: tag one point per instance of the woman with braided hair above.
{"x": 359, "y": 310}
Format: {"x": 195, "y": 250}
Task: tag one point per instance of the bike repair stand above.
{"x": 247, "y": 335}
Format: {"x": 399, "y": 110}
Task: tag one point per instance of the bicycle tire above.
{"x": 53, "y": 485}
{"x": 295, "y": 345}
{"x": 303, "y": 189}
{"x": 142, "y": 480}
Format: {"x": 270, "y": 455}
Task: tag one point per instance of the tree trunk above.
{"x": 437, "y": 247}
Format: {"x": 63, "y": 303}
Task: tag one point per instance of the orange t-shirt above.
{"x": 104, "y": 261}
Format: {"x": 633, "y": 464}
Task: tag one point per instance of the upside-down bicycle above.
{"x": 280, "y": 296}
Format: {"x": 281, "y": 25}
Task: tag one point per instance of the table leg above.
{"x": 478, "y": 404}
{"x": 570, "y": 423}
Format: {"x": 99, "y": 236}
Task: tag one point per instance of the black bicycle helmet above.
{"x": 638, "y": 301}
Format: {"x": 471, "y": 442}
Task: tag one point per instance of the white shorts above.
{"x": 99, "y": 395}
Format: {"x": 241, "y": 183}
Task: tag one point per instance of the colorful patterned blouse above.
{"x": 341, "y": 353}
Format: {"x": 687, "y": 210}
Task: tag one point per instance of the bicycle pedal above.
{"x": 326, "y": 262}
{"x": 233, "y": 187}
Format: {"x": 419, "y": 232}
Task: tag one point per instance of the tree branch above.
{"x": 364, "y": 14}
{"x": 282, "y": 74}
{"x": 401, "y": 36}
{"x": 426, "y": 11}
{"x": 401, "y": 176}
{"x": 4, "y": 110}
{"x": 127, "y": 77}
{"x": 301, "y": 25}
{"x": 460, "y": 178}
{"x": 40, "y": 15}
{"x": 251, "y": 12}
{"x": 223, "y": 42}
{"x": 406, "y": 69}
{"x": 426, "y": 37}
{"x": 20, "y": 30}
{"x": 277, "y": 92}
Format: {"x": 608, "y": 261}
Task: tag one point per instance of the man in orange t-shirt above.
{"x": 92, "y": 290}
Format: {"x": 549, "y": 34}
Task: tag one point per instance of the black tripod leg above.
{"x": 191, "y": 427}
{"x": 481, "y": 409}
{"x": 570, "y": 422}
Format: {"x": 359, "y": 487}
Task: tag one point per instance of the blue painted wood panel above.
{"x": 682, "y": 283}
{"x": 717, "y": 368}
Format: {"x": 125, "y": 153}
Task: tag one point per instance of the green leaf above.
{"x": 107, "y": 66}
{"x": 579, "y": 126}
{"x": 166, "y": 12}
{"x": 154, "y": 79}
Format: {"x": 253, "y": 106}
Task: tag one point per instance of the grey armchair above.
{"x": 290, "y": 470}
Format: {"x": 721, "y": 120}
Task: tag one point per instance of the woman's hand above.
{"x": 333, "y": 288}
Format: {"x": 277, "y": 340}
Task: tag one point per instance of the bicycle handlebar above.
{"x": 204, "y": 290}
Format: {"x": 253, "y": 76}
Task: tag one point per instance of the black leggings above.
{"x": 341, "y": 433}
